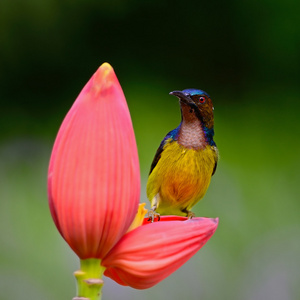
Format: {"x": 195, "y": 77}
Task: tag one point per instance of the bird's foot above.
{"x": 190, "y": 214}
{"x": 152, "y": 215}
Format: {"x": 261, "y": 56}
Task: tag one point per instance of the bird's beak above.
{"x": 182, "y": 97}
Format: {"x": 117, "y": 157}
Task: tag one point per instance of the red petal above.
{"x": 165, "y": 218}
{"x": 148, "y": 254}
{"x": 94, "y": 179}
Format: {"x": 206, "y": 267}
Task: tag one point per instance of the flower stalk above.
{"x": 89, "y": 279}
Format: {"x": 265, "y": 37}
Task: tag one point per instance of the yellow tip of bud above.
{"x": 104, "y": 77}
{"x": 105, "y": 69}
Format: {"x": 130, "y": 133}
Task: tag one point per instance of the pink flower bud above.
{"x": 93, "y": 178}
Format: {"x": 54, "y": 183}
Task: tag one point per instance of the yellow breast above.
{"x": 181, "y": 177}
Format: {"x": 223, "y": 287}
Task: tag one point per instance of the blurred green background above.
{"x": 245, "y": 54}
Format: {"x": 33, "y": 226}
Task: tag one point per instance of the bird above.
{"x": 186, "y": 159}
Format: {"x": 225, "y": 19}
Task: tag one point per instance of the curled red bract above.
{"x": 150, "y": 253}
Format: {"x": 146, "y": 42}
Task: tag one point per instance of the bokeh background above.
{"x": 245, "y": 54}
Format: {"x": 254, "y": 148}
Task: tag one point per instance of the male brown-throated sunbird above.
{"x": 186, "y": 158}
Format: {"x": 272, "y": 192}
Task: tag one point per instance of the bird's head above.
{"x": 196, "y": 104}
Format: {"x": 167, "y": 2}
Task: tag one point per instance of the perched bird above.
{"x": 186, "y": 158}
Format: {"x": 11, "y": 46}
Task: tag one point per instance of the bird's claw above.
{"x": 190, "y": 215}
{"x": 152, "y": 215}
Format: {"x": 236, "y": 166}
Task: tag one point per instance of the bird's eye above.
{"x": 202, "y": 99}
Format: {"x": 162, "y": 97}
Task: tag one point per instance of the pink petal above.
{"x": 165, "y": 219}
{"x": 94, "y": 179}
{"x": 148, "y": 254}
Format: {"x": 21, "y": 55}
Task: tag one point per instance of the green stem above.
{"x": 89, "y": 282}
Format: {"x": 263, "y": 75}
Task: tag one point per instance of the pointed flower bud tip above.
{"x": 103, "y": 78}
